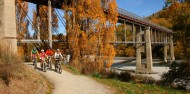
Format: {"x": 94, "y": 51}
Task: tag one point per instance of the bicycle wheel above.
{"x": 60, "y": 69}
{"x": 44, "y": 67}
{"x": 50, "y": 65}
{"x": 35, "y": 65}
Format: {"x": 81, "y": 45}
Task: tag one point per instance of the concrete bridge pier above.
{"x": 8, "y": 24}
{"x": 165, "y": 53}
{"x": 172, "y": 57}
{"x": 148, "y": 50}
{"x": 50, "y": 23}
{"x": 144, "y": 68}
{"x": 38, "y": 22}
{"x": 138, "y": 51}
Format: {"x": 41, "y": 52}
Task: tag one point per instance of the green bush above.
{"x": 178, "y": 76}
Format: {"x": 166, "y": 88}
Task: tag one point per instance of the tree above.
{"x": 90, "y": 29}
{"x": 22, "y": 22}
{"x": 43, "y": 16}
{"x": 22, "y": 25}
{"x": 177, "y": 17}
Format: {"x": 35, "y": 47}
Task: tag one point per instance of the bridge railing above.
{"x": 134, "y": 16}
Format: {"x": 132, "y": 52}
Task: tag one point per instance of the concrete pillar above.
{"x": 155, "y": 36}
{"x": 50, "y": 23}
{"x": 151, "y": 33}
{"x": 38, "y": 22}
{"x": 8, "y": 23}
{"x": 171, "y": 48}
{"x": 133, "y": 30}
{"x": 165, "y": 52}
{"x": 138, "y": 51}
{"x": 148, "y": 50}
{"x": 125, "y": 30}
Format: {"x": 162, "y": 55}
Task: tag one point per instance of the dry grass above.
{"x": 17, "y": 78}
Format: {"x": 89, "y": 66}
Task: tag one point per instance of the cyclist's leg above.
{"x": 35, "y": 63}
{"x": 50, "y": 63}
{"x": 56, "y": 65}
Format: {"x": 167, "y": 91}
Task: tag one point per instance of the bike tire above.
{"x": 35, "y": 65}
{"x": 60, "y": 70}
{"x": 45, "y": 67}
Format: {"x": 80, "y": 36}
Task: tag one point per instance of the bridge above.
{"x": 145, "y": 33}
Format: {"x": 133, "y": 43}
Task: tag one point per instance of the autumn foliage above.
{"x": 90, "y": 31}
{"x": 176, "y": 16}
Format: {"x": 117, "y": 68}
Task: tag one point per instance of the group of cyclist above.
{"x": 46, "y": 56}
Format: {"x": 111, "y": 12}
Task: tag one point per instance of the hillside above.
{"x": 23, "y": 81}
{"x": 17, "y": 78}
{"x": 176, "y": 17}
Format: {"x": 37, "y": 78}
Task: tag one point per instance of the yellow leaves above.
{"x": 130, "y": 52}
{"x": 162, "y": 21}
{"x": 22, "y": 24}
{"x": 88, "y": 33}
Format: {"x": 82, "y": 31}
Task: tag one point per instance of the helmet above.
{"x": 58, "y": 50}
{"x": 34, "y": 48}
{"x": 42, "y": 50}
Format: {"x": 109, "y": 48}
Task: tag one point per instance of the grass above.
{"x": 128, "y": 87}
{"x": 136, "y": 88}
{"x": 70, "y": 69}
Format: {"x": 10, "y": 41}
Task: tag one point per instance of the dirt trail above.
{"x": 67, "y": 83}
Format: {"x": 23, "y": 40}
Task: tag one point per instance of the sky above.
{"x": 141, "y": 8}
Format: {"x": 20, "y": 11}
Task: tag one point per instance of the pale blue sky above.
{"x": 142, "y": 8}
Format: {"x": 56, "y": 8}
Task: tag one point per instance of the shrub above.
{"x": 9, "y": 63}
{"x": 143, "y": 79}
{"x": 125, "y": 76}
{"x": 178, "y": 76}
{"x": 112, "y": 75}
{"x": 129, "y": 52}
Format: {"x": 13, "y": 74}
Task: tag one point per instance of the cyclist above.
{"x": 34, "y": 54}
{"x": 42, "y": 57}
{"x": 49, "y": 53}
{"x": 58, "y": 56}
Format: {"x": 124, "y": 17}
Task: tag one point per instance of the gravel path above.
{"x": 67, "y": 83}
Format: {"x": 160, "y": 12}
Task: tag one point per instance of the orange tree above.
{"x": 90, "y": 29}
{"x": 43, "y": 16}
{"x": 22, "y": 25}
{"x": 176, "y": 17}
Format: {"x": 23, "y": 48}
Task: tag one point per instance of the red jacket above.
{"x": 49, "y": 52}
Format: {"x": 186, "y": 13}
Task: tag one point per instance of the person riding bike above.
{"x": 34, "y": 54}
{"x": 49, "y": 53}
{"x": 58, "y": 56}
{"x": 42, "y": 57}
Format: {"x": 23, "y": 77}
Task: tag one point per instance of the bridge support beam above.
{"x": 8, "y": 23}
{"x": 171, "y": 48}
{"x": 165, "y": 52}
{"x": 138, "y": 51}
{"x": 50, "y": 23}
{"x": 134, "y": 33}
{"x": 38, "y": 22}
{"x": 148, "y": 50}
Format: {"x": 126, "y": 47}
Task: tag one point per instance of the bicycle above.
{"x": 43, "y": 66}
{"x": 58, "y": 67}
{"x": 49, "y": 62}
{"x": 34, "y": 62}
